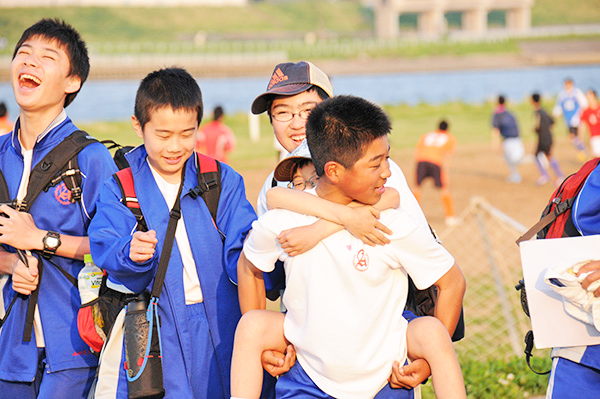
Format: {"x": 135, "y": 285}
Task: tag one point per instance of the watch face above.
{"x": 51, "y": 242}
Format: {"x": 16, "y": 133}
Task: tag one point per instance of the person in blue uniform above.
{"x": 570, "y": 103}
{"x": 198, "y": 306}
{"x": 576, "y": 370}
{"x": 50, "y": 64}
{"x": 504, "y": 125}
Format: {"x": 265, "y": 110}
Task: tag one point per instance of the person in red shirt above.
{"x": 591, "y": 117}
{"x": 6, "y": 126}
{"x": 433, "y": 153}
{"x": 216, "y": 139}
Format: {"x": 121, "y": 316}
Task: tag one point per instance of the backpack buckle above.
{"x": 75, "y": 194}
{"x": 564, "y": 206}
{"x": 19, "y": 205}
{"x": 203, "y": 187}
{"x": 175, "y": 214}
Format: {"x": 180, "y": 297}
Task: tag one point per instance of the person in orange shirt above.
{"x": 6, "y": 126}
{"x": 216, "y": 139}
{"x": 433, "y": 153}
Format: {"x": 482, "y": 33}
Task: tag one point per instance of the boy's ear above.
{"x": 137, "y": 127}
{"x": 74, "y": 84}
{"x": 333, "y": 171}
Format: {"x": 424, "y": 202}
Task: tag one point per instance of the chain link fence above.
{"x": 483, "y": 244}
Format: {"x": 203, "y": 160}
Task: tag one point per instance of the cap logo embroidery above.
{"x": 277, "y": 77}
{"x": 361, "y": 261}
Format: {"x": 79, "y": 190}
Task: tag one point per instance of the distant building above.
{"x": 430, "y": 15}
{"x": 119, "y": 3}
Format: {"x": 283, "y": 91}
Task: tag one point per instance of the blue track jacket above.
{"x": 58, "y": 299}
{"x": 216, "y": 261}
{"x": 586, "y": 216}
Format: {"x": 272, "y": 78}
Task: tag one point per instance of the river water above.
{"x": 113, "y": 100}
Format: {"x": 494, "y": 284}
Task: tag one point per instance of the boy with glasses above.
{"x": 294, "y": 89}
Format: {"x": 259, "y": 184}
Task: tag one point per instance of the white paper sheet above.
{"x": 551, "y": 325}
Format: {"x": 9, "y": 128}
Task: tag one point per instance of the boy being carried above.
{"x": 343, "y": 347}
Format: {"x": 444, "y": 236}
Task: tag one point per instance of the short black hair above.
{"x": 443, "y": 125}
{"x": 218, "y": 112}
{"x": 593, "y": 92}
{"x": 501, "y": 100}
{"x": 536, "y": 97}
{"x": 320, "y": 92}
{"x": 300, "y": 163}
{"x": 3, "y": 109}
{"x": 68, "y": 38}
{"x": 170, "y": 87}
{"x": 339, "y": 129}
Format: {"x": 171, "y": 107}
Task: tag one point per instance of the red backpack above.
{"x": 556, "y": 221}
{"x": 96, "y": 318}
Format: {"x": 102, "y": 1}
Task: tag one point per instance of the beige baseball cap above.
{"x": 285, "y": 169}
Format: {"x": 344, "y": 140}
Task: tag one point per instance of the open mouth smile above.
{"x": 29, "y": 81}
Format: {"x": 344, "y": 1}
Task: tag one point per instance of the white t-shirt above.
{"x": 191, "y": 282}
{"x": 21, "y": 193}
{"x": 345, "y": 299}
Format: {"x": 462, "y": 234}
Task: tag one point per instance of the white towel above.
{"x": 577, "y": 301}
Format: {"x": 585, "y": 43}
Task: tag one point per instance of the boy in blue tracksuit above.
{"x": 576, "y": 370}
{"x": 49, "y": 65}
{"x": 198, "y": 306}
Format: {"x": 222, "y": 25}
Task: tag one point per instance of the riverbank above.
{"x": 533, "y": 53}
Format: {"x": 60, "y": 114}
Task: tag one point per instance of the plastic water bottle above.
{"x": 89, "y": 280}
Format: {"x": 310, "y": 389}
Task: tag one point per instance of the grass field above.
{"x": 274, "y": 20}
{"x": 470, "y": 123}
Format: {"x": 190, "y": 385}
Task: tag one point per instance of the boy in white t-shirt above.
{"x": 345, "y": 298}
{"x": 298, "y": 172}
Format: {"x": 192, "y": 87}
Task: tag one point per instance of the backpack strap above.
{"x": 209, "y": 183}
{"x": 44, "y": 174}
{"x": 4, "y": 195}
{"x": 124, "y": 179}
{"x": 165, "y": 254}
{"x": 541, "y": 224}
{"x": 42, "y": 177}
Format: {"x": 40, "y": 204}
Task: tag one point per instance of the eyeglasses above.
{"x": 300, "y": 184}
{"x": 286, "y": 116}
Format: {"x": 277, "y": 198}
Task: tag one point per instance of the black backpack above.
{"x": 61, "y": 164}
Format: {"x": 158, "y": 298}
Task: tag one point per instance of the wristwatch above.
{"x": 51, "y": 243}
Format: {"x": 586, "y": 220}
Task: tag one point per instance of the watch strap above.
{"x": 50, "y": 251}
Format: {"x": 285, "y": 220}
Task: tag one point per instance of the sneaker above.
{"x": 515, "y": 178}
{"x": 542, "y": 180}
{"x": 451, "y": 221}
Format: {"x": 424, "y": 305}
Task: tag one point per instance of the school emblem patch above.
{"x": 361, "y": 261}
{"x": 62, "y": 194}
